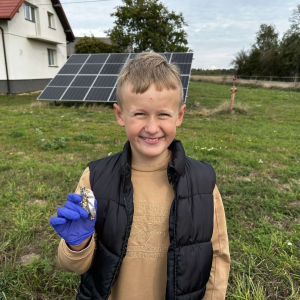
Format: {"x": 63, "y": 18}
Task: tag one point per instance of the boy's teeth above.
{"x": 151, "y": 139}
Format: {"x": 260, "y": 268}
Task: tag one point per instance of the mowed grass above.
{"x": 45, "y": 148}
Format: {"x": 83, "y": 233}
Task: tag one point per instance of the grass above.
{"x": 255, "y": 152}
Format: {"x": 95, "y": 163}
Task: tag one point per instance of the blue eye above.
{"x": 138, "y": 114}
{"x": 164, "y": 115}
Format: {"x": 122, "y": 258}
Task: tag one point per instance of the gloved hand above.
{"x": 73, "y": 222}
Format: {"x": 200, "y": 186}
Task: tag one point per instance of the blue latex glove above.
{"x": 73, "y": 222}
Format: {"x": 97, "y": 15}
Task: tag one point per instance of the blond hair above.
{"x": 148, "y": 68}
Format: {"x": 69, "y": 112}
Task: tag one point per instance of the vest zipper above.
{"x": 175, "y": 240}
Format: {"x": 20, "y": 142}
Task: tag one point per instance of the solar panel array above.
{"x": 93, "y": 77}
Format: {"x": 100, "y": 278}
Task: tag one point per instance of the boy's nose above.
{"x": 152, "y": 126}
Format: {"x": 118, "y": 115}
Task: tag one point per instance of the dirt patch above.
{"x": 31, "y": 93}
{"x": 28, "y": 258}
{"x": 37, "y": 202}
{"x": 273, "y": 222}
{"x": 244, "y": 178}
{"x": 293, "y": 204}
{"x": 222, "y": 109}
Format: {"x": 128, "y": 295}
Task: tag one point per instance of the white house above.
{"x": 33, "y": 43}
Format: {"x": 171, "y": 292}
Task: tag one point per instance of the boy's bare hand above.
{"x": 73, "y": 222}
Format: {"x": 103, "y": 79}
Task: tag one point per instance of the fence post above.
{"x": 270, "y": 78}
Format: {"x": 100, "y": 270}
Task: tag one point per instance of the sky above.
{"x": 216, "y": 30}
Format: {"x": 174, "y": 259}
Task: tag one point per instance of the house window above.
{"x": 50, "y": 20}
{"x": 29, "y": 13}
{"x": 51, "y": 57}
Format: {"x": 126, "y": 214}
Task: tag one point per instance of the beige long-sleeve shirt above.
{"x": 144, "y": 268}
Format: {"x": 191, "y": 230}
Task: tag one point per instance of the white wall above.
{"x": 3, "y": 24}
{"x": 28, "y": 58}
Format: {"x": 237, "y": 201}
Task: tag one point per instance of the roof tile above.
{"x": 8, "y": 8}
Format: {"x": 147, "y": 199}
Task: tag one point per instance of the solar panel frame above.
{"x": 77, "y": 63}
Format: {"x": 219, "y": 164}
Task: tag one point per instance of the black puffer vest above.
{"x": 190, "y": 224}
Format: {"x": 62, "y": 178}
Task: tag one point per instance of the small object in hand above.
{"x": 88, "y": 201}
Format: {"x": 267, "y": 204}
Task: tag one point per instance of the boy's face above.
{"x": 150, "y": 120}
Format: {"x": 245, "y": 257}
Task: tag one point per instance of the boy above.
{"x": 160, "y": 230}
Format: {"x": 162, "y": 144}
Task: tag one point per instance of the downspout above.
{"x": 7, "y": 78}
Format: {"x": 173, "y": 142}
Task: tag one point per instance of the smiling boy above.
{"x": 160, "y": 230}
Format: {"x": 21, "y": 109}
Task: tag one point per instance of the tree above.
{"x": 93, "y": 45}
{"x": 254, "y": 62}
{"x": 240, "y": 63}
{"x": 144, "y": 25}
{"x": 266, "y": 38}
{"x": 290, "y": 53}
{"x": 295, "y": 20}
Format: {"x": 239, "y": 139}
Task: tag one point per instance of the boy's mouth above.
{"x": 151, "y": 140}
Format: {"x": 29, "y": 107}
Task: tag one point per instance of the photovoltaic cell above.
{"x": 166, "y": 55}
{"x": 83, "y": 81}
{"x": 117, "y": 58}
{"x": 91, "y": 69}
{"x": 52, "y": 93}
{"x": 97, "y": 59}
{"x": 105, "y": 81}
{"x": 61, "y": 80}
{"x": 184, "y": 69}
{"x": 73, "y": 94}
{"x": 70, "y": 69}
{"x": 185, "y": 81}
{"x": 111, "y": 69}
{"x": 182, "y": 58}
{"x": 77, "y": 59}
{"x": 184, "y": 94}
{"x": 98, "y": 94}
{"x": 133, "y": 55}
{"x": 113, "y": 97}
{"x": 93, "y": 77}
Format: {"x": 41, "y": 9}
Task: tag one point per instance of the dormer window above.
{"x": 29, "y": 13}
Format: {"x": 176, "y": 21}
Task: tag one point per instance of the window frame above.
{"x": 51, "y": 23}
{"x": 51, "y": 57}
{"x": 30, "y": 13}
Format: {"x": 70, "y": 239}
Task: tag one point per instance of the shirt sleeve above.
{"x": 218, "y": 280}
{"x": 78, "y": 261}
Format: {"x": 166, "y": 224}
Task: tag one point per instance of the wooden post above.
{"x": 233, "y": 90}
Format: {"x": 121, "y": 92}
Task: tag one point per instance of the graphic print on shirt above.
{"x": 149, "y": 236}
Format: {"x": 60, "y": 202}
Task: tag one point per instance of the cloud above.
{"x": 216, "y": 30}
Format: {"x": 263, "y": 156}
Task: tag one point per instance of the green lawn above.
{"x": 44, "y": 149}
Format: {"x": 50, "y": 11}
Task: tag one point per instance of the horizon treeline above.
{"x": 213, "y": 72}
{"x": 270, "y": 56}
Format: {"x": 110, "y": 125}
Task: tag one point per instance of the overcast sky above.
{"x": 217, "y": 29}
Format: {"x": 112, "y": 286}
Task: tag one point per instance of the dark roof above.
{"x": 8, "y": 8}
{"x": 63, "y": 19}
{"x": 71, "y": 46}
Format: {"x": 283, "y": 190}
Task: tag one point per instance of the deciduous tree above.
{"x": 143, "y": 25}
{"x": 93, "y": 45}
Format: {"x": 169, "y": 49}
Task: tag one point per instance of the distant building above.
{"x": 71, "y": 46}
{"x": 35, "y": 35}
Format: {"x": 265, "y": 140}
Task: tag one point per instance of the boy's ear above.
{"x": 119, "y": 115}
{"x": 180, "y": 115}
